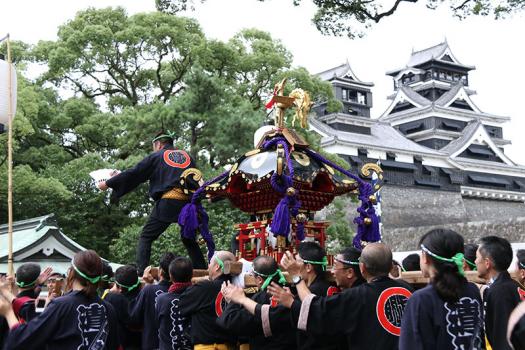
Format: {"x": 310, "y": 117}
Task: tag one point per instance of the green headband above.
{"x": 474, "y": 267}
{"x": 167, "y": 135}
{"x": 22, "y": 284}
{"x": 269, "y": 278}
{"x": 106, "y": 278}
{"x": 129, "y": 288}
{"x": 220, "y": 262}
{"x": 324, "y": 262}
{"x": 92, "y": 280}
{"x": 456, "y": 259}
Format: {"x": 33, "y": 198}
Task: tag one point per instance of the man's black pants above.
{"x": 151, "y": 231}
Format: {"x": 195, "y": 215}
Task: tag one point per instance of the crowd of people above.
{"x": 357, "y": 303}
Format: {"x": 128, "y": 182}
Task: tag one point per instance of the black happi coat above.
{"x": 500, "y": 298}
{"x": 203, "y": 302}
{"x": 130, "y": 337}
{"x": 308, "y": 341}
{"x": 72, "y": 321}
{"x": 142, "y": 313}
{"x": 237, "y": 320}
{"x": 163, "y": 169}
{"x": 369, "y": 315}
{"x": 429, "y": 323}
{"x": 173, "y": 328}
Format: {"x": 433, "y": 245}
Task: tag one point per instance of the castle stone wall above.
{"x": 408, "y": 213}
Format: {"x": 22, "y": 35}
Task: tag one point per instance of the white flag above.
{"x": 4, "y": 92}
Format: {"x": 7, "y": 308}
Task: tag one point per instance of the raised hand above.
{"x": 232, "y": 293}
{"x": 5, "y": 306}
{"x": 6, "y": 289}
{"x": 282, "y": 295}
{"x": 292, "y": 265}
{"x": 44, "y": 275}
{"x": 147, "y": 277}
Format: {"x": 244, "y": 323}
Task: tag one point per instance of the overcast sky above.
{"x": 494, "y": 47}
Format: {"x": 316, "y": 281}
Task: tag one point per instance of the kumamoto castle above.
{"x": 443, "y": 157}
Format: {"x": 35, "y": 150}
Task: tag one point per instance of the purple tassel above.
{"x": 281, "y": 218}
{"x": 366, "y": 233}
{"x": 205, "y": 231}
{"x": 192, "y": 212}
{"x": 188, "y": 220}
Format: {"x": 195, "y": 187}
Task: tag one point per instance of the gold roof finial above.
{"x": 298, "y": 97}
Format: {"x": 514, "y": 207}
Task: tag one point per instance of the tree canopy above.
{"x": 353, "y": 17}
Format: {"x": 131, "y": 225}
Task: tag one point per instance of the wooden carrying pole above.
{"x": 10, "y": 267}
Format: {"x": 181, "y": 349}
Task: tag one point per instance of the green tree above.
{"x": 353, "y": 17}
{"x": 340, "y": 233}
{"x": 128, "y": 60}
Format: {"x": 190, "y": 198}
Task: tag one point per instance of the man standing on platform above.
{"x": 172, "y": 177}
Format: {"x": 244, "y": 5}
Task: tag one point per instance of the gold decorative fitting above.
{"x": 197, "y": 175}
{"x": 234, "y": 167}
{"x": 280, "y": 160}
{"x": 301, "y": 158}
{"x": 252, "y": 152}
{"x": 368, "y": 221}
{"x": 365, "y": 170}
{"x": 372, "y": 199}
{"x": 330, "y": 169}
{"x": 290, "y": 191}
{"x": 302, "y": 103}
{"x": 301, "y": 217}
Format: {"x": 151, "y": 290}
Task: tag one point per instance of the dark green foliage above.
{"x": 353, "y": 17}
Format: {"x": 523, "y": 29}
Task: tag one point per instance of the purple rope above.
{"x": 280, "y": 225}
{"x": 193, "y": 212}
{"x": 367, "y": 233}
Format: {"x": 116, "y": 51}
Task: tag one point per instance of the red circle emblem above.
{"x": 332, "y": 290}
{"x": 521, "y": 292}
{"x": 389, "y": 308}
{"x": 273, "y": 302}
{"x": 219, "y": 304}
{"x": 176, "y": 158}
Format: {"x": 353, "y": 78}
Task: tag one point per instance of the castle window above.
{"x": 361, "y": 98}
{"x": 450, "y": 125}
{"x": 349, "y": 95}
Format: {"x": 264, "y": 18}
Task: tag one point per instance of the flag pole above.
{"x": 10, "y": 267}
